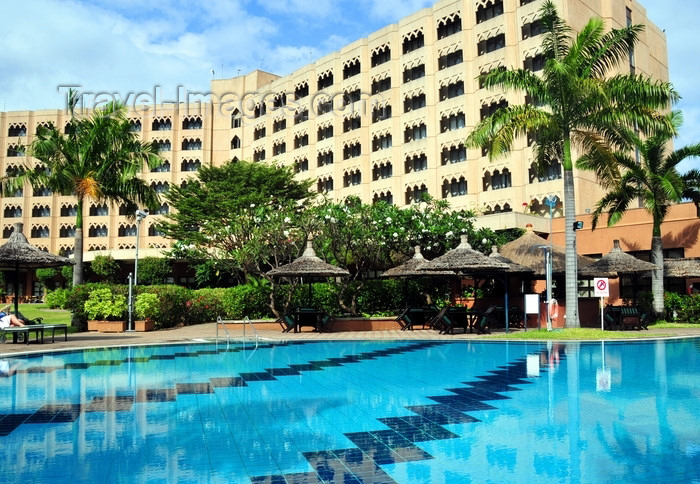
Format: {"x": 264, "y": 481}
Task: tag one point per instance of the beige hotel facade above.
{"x": 384, "y": 118}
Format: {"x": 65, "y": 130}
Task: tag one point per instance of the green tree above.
{"x": 46, "y": 275}
{"x": 105, "y": 267}
{"x": 98, "y": 158}
{"x": 574, "y": 104}
{"x": 654, "y": 182}
{"x": 153, "y": 270}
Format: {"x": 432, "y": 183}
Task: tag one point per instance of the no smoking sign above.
{"x": 601, "y": 287}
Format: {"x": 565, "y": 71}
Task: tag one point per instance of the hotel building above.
{"x": 384, "y": 118}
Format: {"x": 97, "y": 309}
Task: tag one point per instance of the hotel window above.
{"x": 102, "y": 231}
{"x": 491, "y": 44}
{"x": 500, "y": 179}
{"x": 135, "y": 125}
{"x": 482, "y": 84}
{"x": 301, "y": 140}
{"x": 412, "y": 42}
{"x": 69, "y": 210}
{"x": 455, "y": 154}
{"x": 452, "y": 122}
{"x": 301, "y": 166}
{"x": 13, "y": 211}
{"x": 162, "y": 145}
{"x": 489, "y": 10}
{"x": 236, "y": 119}
{"x": 190, "y": 165}
{"x": 126, "y": 230}
{"x": 415, "y": 194}
{"x": 449, "y": 27}
{"x": 413, "y": 103}
{"x": 387, "y": 198}
{"x": 192, "y": 123}
{"x": 164, "y": 209}
{"x": 325, "y": 185}
{"x": 352, "y": 97}
{"x": 381, "y": 56}
{"x": 350, "y": 124}
{"x": 454, "y": 188}
{"x": 192, "y": 144}
{"x": 279, "y": 125}
{"x": 161, "y": 124}
{"x": 235, "y": 143}
{"x": 301, "y": 116}
{"x": 416, "y": 163}
{"x": 39, "y": 232}
{"x": 42, "y": 192}
{"x": 381, "y": 113}
{"x": 628, "y": 14}
{"x": 7, "y": 231}
{"x": 41, "y": 211}
{"x": 279, "y": 148}
{"x": 352, "y": 151}
{"x": 452, "y": 90}
{"x": 99, "y": 210}
{"x": 551, "y": 172}
{"x": 324, "y": 159}
{"x": 451, "y": 59}
{"x": 66, "y": 231}
{"x": 15, "y": 150}
{"x": 259, "y": 132}
{"x": 532, "y": 29}
{"x": 260, "y": 110}
{"x": 160, "y": 187}
{"x": 414, "y": 73}
{"x": 382, "y": 142}
{"x": 301, "y": 91}
{"x": 351, "y": 69}
{"x": 11, "y": 170}
{"x": 17, "y": 130}
{"x": 381, "y": 85}
{"x": 413, "y": 133}
{"x": 325, "y": 80}
{"x": 154, "y": 232}
{"x": 324, "y": 106}
{"x": 534, "y": 64}
{"x": 279, "y": 101}
{"x": 488, "y": 110}
{"x": 383, "y": 170}
{"x": 352, "y": 178}
{"x": 162, "y": 168}
{"x": 325, "y": 132}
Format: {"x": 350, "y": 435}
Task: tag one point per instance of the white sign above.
{"x": 600, "y": 286}
{"x": 532, "y": 304}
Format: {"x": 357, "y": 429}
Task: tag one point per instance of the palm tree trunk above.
{"x": 571, "y": 268}
{"x": 657, "y": 276}
{"x": 78, "y": 246}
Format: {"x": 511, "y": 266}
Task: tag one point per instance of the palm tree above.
{"x": 98, "y": 158}
{"x": 655, "y": 182}
{"x": 575, "y": 105}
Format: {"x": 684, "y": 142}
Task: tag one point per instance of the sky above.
{"x": 126, "y": 47}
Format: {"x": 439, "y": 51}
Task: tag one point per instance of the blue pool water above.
{"x": 351, "y": 412}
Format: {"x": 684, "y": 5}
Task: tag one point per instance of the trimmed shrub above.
{"x": 147, "y": 306}
{"x": 75, "y": 302}
{"x": 172, "y": 310}
{"x": 57, "y": 299}
{"x": 247, "y": 300}
{"x": 205, "y": 306}
{"x": 104, "y": 304}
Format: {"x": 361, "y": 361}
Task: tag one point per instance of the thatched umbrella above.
{"x": 619, "y": 262}
{"x": 308, "y": 265}
{"x": 412, "y": 268}
{"x": 513, "y": 267}
{"x": 527, "y": 251}
{"x": 18, "y": 253}
{"x": 682, "y": 268}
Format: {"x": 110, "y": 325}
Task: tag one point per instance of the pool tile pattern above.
{"x": 394, "y": 444}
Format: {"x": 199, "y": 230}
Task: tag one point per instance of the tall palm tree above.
{"x": 574, "y": 104}
{"x": 654, "y": 181}
{"x": 98, "y": 158}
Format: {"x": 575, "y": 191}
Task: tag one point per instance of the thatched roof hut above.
{"x": 513, "y": 267}
{"x": 682, "y": 268}
{"x": 465, "y": 260}
{"x": 412, "y": 267}
{"x": 617, "y": 262}
{"x": 308, "y": 265}
{"x": 526, "y": 250}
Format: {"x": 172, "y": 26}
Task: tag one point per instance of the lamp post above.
{"x": 140, "y": 215}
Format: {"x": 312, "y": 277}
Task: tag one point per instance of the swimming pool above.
{"x": 426, "y": 411}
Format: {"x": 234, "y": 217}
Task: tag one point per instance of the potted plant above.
{"x": 146, "y": 307}
{"x": 105, "y": 311}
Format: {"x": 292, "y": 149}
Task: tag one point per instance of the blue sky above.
{"x": 130, "y": 46}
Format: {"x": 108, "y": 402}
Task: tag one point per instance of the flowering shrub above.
{"x": 205, "y": 306}
{"x": 172, "y": 304}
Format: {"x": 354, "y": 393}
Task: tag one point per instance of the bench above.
{"x": 38, "y": 330}
{"x": 59, "y": 327}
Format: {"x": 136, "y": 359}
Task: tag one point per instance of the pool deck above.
{"x": 207, "y": 332}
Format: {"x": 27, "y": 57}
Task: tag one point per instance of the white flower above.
{"x": 388, "y": 220}
{"x": 252, "y": 205}
{"x": 286, "y": 233}
{"x": 395, "y": 235}
{"x": 333, "y": 220}
{"x": 287, "y": 220}
{"x": 449, "y": 234}
{"x": 328, "y": 217}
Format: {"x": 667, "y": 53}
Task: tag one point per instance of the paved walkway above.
{"x": 208, "y": 332}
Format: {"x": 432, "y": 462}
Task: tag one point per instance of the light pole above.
{"x": 140, "y": 215}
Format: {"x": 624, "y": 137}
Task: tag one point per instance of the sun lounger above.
{"x": 287, "y": 322}
{"x": 15, "y": 331}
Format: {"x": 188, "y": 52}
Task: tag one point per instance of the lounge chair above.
{"x": 487, "y": 320}
{"x": 630, "y": 317}
{"x": 287, "y": 322}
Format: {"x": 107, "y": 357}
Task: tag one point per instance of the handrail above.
{"x": 246, "y": 321}
{"x": 221, "y": 322}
